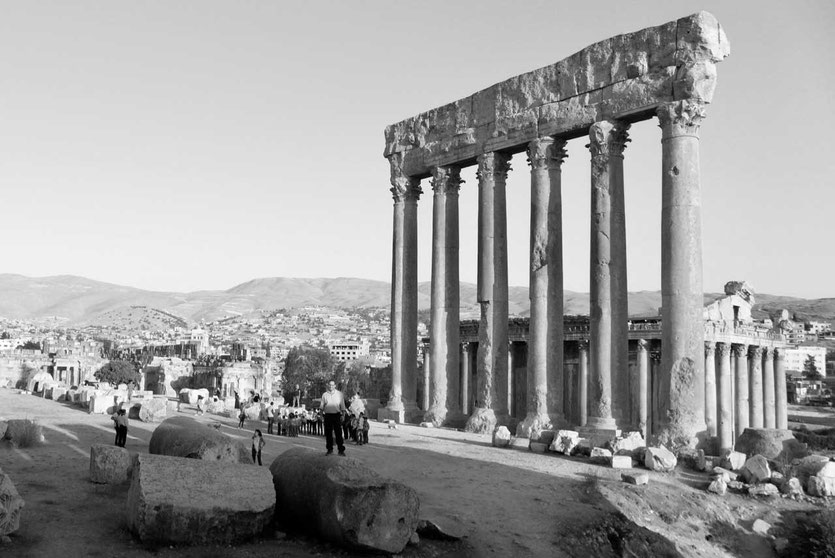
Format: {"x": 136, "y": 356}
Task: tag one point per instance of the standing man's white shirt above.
{"x": 333, "y": 402}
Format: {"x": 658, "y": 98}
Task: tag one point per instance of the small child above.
{"x": 242, "y": 418}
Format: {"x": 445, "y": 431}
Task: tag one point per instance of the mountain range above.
{"x": 81, "y": 301}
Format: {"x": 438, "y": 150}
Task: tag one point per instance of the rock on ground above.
{"x": 771, "y": 443}
{"x": 342, "y": 500}
{"x": 188, "y": 501}
{"x": 153, "y": 410}
{"x": 186, "y": 437}
{"x": 4, "y": 425}
{"x": 756, "y": 469}
{"x": 733, "y": 460}
{"x": 501, "y": 437}
{"x": 822, "y": 483}
{"x": 767, "y": 489}
{"x": 565, "y": 441}
{"x": 659, "y": 459}
{"x": 718, "y": 486}
{"x": 10, "y": 505}
{"x": 635, "y": 478}
{"x": 109, "y": 464}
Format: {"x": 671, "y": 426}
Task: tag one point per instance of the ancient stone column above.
{"x": 769, "y": 402}
{"x": 608, "y": 315}
{"x": 755, "y": 383}
{"x": 402, "y": 404}
{"x": 445, "y": 295}
{"x": 583, "y": 380}
{"x": 465, "y": 378}
{"x": 643, "y": 387}
{"x": 742, "y": 403}
{"x": 726, "y": 403}
{"x": 505, "y": 390}
{"x": 545, "y": 342}
{"x": 781, "y": 401}
{"x": 682, "y": 339}
{"x": 710, "y": 388}
{"x": 427, "y": 379}
{"x": 491, "y": 360}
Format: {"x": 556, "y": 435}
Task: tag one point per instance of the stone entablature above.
{"x": 622, "y": 78}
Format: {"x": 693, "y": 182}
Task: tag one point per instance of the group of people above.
{"x": 120, "y": 422}
{"x": 343, "y": 422}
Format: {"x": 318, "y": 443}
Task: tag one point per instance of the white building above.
{"x": 796, "y": 358}
{"x": 349, "y": 350}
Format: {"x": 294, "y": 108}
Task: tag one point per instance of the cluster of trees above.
{"x": 118, "y": 372}
{"x": 810, "y": 369}
{"x": 311, "y": 368}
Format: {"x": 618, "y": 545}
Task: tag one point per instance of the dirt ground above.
{"x": 504, "y": 502}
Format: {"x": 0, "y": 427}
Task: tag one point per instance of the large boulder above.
{"x": 732, "y": 460}
{"x": 755, "y": 470}
{"x": 153, "y": 410}
{"x": 10, "y": 505}
{"x": 109, "y": 464}
{"x": 4, "y": 425}
{"x": 771, "y": 443}
{"x": 659, "y": 459}
{"x": 189, "y": 501}
{"x": 627, "y": 443}
{"x": 822, "y": 483}
{"x": 501, "y": 437}
{"x": 186, "y": 437}
{"x": 343, "y": 501}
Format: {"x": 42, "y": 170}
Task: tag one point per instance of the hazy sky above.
{"x": 196, "y": 145}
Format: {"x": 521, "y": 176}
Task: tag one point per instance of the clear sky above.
{"x": 187, "y": 145}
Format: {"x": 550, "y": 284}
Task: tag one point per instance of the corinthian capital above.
{"x": 724, "y": 349}
{"x": 710, "y": 348}
{"x": 403, "y": 187}
{"x": 680, "y": 118}
{"x": 493, "y": 163}
{"x": 740, "y": 350}
{"x": 546, "y": 153}
{"x": 608, "y": 138}
{"x": 755, "y": 351}
{"x": 446, "y": 180}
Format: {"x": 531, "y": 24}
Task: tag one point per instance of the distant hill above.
{"x": 82, "y": 301}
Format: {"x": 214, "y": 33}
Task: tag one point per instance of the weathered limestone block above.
{"x": 761, "y": 527}
{"x": 621, "y": 462}
{"x": 771, "y": 443}
{"x": 546, "y": 437}
{"x": 756, "y": 469}
{"x": 343, "y": 501}
{"x": 501, "y": 437}
{"x": 186, "y": 437}
{"x": 189, "y": 501}
{"x": 627, "y": 443}
{"x": 110, "y": 464}
{"x": 601, "y": 455}
{"x": 101, "y": 404}
{"x": 57, "y": 393}
{"x": 10, "y": 505}
{"x": 767, "y": 489}
{"x": 659, "y": 459}
{"x": 537, "y": 447}
{"x": 792, "y": 487}
{"x": 733, "y": 460}
{"x": 18, "y": 429}
{"x": 718, "y": 486}
{"x": 635, "y": 478}
{"x": 822, "y": 483}
{"x": 4, "y": 425}
{"x": 565, "y": 441}
{"x": 726, "y": 474}
{"x": 153, "y": 410}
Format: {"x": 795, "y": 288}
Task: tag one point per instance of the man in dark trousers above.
{"x": 333, "y": 405}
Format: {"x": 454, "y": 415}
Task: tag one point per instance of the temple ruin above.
{"x": 667, "y": 72}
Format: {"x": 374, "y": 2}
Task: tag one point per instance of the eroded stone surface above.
{"x": 343, "y": 501}
{"x": 153, "y": 410}
{"x": 10, "y": 505}
{"x": 635, "y": 478}
{"x": 186, "y": 437}
{"x": 189, "y": 501}
{"x": 771, "y": 443}
{"x": 659, "y": 459}
{"x": 756, "y": 469}
{"x": 110, "y": 464}
{"x": 501, "y": 437}
{"x": 733, "y": 460}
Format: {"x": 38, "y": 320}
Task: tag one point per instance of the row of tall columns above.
{"x": 751, "y": 392}
{"x": 682, "y": 415}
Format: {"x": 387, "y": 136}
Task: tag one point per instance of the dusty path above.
{"x": 505, "y": 502}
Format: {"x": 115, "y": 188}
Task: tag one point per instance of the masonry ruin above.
{"x": 667, "y": 72}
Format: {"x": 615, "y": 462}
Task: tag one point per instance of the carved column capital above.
{"x": 494, "y": 163}
{"x": 643, "y": 345}
{"x": 465, "y": 346}
{"x": 740, "y": 350}
{"x": 608, "y": 138}
{"x": 403, "y": 187}
{"x": 779, "y": 353}
{"x": 680, "y": 118}
{"x": 755, "y": 351}
{"x": 724, "y": 349}
{"x": 446, "y": 180}
{"x": 768, "y": 352}
{"x": 710, "y": 348}
{"x": 546, "y": 153}
{"x": 583, "y": 345}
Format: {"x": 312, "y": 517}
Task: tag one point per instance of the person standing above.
{"x": 121, "y": 420}
{"x": 270, "y": 418}
{"x": 297, "y": 396}
{"x": 258, "y": 444}
{"x": 333, "y": 405}
{"x": 241, "y": 417}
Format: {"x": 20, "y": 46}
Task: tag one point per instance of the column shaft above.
{"x": 682, "y": 357}
{"x": 583, "y": 380}
{"x": 726, "y": 402}
{"x": 545, "y": 379}
{"x": 492, "y": 292}
{"x": 405, "y": 191}
{"x": 780, "y": 395}
{"x": 755, "y": 383}
{"x": 742, "y": 403}
{"x": 769, "y": 401}
{"x": 643, "y": 387}
{"x": 608, "y": 347}
{"x": 465, "y": 378}
{"x": 710, "y": 388}
{"x": 427, "y": 379}
{"x": 444, "y": 295}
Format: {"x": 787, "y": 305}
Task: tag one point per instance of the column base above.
{"x": 437, "y": 416}
{"x": 533, "y": 422}
{"x": 482, "y": 421}
{"x": 598, "y": 437}
{"x": 408, "y": 413}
